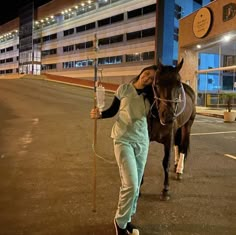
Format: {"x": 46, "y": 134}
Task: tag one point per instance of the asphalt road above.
{"x": 47, "y": 170}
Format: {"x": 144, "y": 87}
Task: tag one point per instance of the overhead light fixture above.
{"x": 199, "y": 46}
{"x": 227, "y": 38}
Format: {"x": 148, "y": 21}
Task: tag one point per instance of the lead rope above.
{"x": 102, "y": 158}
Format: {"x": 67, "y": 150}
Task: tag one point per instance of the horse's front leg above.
{"x": 166, "y": 166}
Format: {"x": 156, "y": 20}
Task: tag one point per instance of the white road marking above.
{"x": 27, "y": 138}
{"x": 214, "y": 133}
{"x": 209, "y": 121}
{"x": 230, "y": 156}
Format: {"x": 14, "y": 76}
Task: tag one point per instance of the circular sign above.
{"x": 202, "y": 22}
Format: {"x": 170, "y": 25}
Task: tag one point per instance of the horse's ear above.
{"x": 179, "y": 66}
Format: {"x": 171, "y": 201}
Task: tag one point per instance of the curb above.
{"x": 211, "y": 115}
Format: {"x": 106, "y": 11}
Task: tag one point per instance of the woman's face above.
{"x": 147, "y": 76}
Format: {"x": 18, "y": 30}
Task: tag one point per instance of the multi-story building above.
{"x": 67, "y": 37}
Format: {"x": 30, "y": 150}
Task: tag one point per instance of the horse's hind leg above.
{"x": 183, "y": 149}
{"x": 177, "y": 141}
{"x": 180, "y": 166}
{"x": 177, "y": 155}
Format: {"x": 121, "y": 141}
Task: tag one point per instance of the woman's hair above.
{"x": 153, "y": 67}
{"x": 147, "y": 91}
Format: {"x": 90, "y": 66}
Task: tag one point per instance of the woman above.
{"x": 131, "y": 143}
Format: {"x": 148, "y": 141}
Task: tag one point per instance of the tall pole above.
{"x": 95, "y": 127}
{"x": 159, "y": 29}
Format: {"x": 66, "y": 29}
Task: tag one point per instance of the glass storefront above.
{"x": 216, "y": 72}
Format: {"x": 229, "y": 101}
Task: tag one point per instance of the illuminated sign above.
{"x": 202, "y": 22}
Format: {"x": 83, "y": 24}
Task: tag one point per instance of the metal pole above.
{"x": 95, "y": 128}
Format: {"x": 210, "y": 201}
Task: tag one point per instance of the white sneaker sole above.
{"x": 135, "y": 232}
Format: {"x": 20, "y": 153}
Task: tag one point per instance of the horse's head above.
{"x": 168, "y": 92}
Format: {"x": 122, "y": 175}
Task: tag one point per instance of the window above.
{"x": 117, "y": 18}
{"x": 9, "y": 71}
{"x": 104, "y": 22}
{"x": 134, "y": 13}
{"x": 9, "y": 60}
{"x": 134, "y": 35}
{"x": 68, "y": 32}
{"x": 148, "y": 55}
{"x": 67, "y": 65}
{"x": 117, "y": 38}
{"x": 89, "y": 44}
{"x": 68, "y": 48}
{"x": 49, "y": 66}
{"x": 84, "y": 45}
{"x": 110, "y": 40}
{"x": 9, "y": 49}
{"x": 90, "y": 26}
{"x": 49, "y": 52}
{"x": 110, "y": 60}
{"x": 111, "y": 20}
{"x": 176, "y": 34}
{"x": 148, "y": 32}
{"x": 132, "y": 57}
{"x": 178, "y": 11}
{"x": 80, "y": 29}
{"x": 103, "y": 41}
{"x": 83, "y": 63}
{"x": 49, "y": 37}
{"x": 149, "y": 9}
{"x": 140, "y": 56}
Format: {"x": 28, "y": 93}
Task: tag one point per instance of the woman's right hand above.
{"x": 95, "y": 113}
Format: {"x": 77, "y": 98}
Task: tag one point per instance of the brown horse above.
{"x": 170, "y": 118}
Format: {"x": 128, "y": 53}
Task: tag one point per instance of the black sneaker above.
{"x": 132, "y": 229}
{"x": 120, "y": 231}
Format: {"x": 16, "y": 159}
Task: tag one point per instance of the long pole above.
{"x": 95, "y": 128}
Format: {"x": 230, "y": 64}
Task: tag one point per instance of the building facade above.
{"x": 66, "y": 38}
{"x": 207, "y": 43}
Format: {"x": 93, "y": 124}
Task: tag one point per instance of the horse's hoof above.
{"x": 179, "y": 176}
{"x": 165, "y": 196}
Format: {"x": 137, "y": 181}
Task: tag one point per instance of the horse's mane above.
{"x": 189, "y": 91}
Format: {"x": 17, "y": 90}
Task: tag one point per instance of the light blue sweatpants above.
{"x": 131, "y": 158}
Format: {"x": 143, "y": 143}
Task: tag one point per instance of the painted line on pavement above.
{"x": 27, "y": 138}
{"x": 214, "y": 133}
{"x": 230, "y": 156}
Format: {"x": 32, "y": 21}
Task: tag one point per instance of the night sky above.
{"x": 9, "y": 8}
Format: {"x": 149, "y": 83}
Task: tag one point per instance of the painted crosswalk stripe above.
{"x": 214, "y": 133}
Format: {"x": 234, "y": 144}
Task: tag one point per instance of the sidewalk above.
{"x": 206, "y": 111}
{"x": 211, "y": 112}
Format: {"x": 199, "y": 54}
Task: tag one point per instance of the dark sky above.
{"x": 9, "y": 8}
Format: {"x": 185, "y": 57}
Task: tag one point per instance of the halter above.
{"x": 176, "y": 100}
